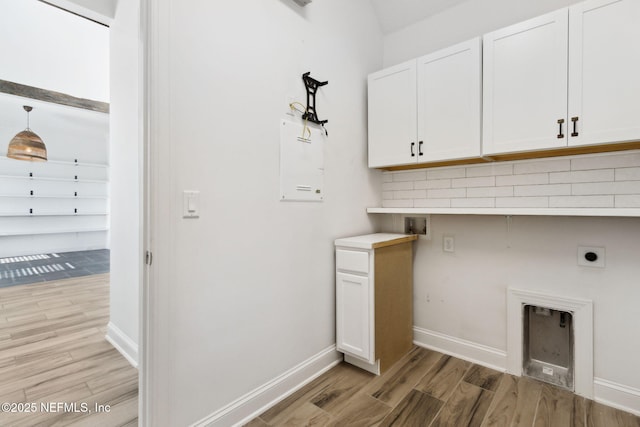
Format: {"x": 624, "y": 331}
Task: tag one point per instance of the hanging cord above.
{"x": 305, "y": 129}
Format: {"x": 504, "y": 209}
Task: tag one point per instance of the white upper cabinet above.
{"x": 392, "y": 116}
{"x": 427, "y": 109}
{"x": 533, "y": 101}
{"x": 565, "y": 79}
{"x": 449, "y": 102}
{"x": 525, "y": 85}
{"x": 604, "y": 71}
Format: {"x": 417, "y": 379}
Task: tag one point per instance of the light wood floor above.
{"x": 427, "y": 388}
{"x": 52, "y": 349}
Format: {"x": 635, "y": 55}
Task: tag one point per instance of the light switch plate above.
{"x": 190, "y": 204}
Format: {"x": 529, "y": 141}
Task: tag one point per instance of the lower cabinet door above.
{"x": 354, "y": 316}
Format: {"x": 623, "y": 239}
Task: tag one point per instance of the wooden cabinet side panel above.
{"x": 393, "y": 303}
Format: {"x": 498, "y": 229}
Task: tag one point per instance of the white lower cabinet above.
{"x": 374, "y": 299}
{"x": 354, "y": 316}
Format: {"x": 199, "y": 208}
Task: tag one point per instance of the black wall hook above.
{"x": 312, "y": 86}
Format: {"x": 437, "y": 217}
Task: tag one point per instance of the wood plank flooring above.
{"x": 53, "y": 351}
{"x": 427, "y": 388}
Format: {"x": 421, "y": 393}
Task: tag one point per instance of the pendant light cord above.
{"x": 28, "y": 109}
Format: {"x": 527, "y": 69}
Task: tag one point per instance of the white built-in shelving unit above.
{"x": 54, "y": 205}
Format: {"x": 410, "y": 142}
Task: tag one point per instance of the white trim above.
{"x": 247, "y": 407}
{"x": 617, "y": 395}
{"x": 374, "y": 367}
{"x": 582, "y": 310}
{"x": 477, "y": 353}
{"x": 612, "y": 212}
{"x": 125, "y": 345}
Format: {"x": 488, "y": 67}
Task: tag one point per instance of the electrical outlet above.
{"x": 448, "y": 244}
{"x": 591, "y": 256}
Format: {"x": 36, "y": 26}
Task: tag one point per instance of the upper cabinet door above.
{"x": 525, "y": 85}
{"x": 604, "y": 71}
{"x": 449, "y": 102}
{"x": 392, "y": 116}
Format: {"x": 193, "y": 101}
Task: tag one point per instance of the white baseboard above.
{"x": 257, "y": 401}
{"x": 462, "y": 349}
{"x": 125, "y": 345}
{"x": 617, "y": 395}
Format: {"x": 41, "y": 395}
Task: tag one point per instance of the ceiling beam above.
{"x": 45, "y": 95}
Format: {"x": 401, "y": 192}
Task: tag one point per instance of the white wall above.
{"x": 49, "y": 48}
{"x": 246, "y": 292}
{"x": 463, "y": 295}
{"x": 462, "y": 22}
{"x": 126, "y": 179}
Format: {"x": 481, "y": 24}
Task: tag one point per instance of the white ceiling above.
{"x": 396, "y": 14}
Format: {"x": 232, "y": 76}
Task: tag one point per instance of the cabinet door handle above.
{"x": 413, "y": 144}
{"x": 560, "y": 134}
{"x": 420, "y": 153}
{"x": 575, "y": 126}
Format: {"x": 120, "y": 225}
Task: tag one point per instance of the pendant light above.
{"x": 26, "y": 145}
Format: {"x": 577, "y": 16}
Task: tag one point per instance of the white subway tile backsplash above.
{"x": 618, "y": 187}
{"x": 542, "y": 190}
{"x": 522, "y": 202}
{"x": 528, "y": 179}
{"x": 628, "y": 174}
{"x": 395, "y": 186}
{"x": 432, "y": 203}
{"x": 397, "y": 203}
{"x": 410, "y": 194}
{"x": 409, "y": 176}
{"x": 490, "y": 192}
{"x": 434, "y": 183}
{"x": 627, "y": 201}
{"x": 587, "y": 181}
{"x": 482, "y": 181}
{"x": 489, "y": 170}
{"x": 488, "y": 202}
{"x": 445, "y": 173}
{"x": 599, "y": 175}
{"x": 606, "y": 161}
{"x": 539, "y": 166}
{"x": 446, "y": 193}
{"x": 581, "y": 202}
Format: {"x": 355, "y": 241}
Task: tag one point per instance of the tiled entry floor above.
{"x": 20, "y": 270}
